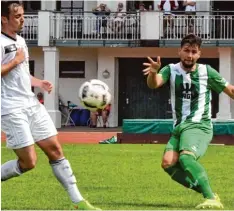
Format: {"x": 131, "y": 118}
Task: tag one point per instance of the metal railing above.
{"x": 91, "y": 27}
{"x": 208, "y": 27}
{"x": 87, "y": 26}
{"x": 30, "y": 30}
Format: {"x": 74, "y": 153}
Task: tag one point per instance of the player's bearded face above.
{"x": 189, "y": 54}
{"x": 16, "y": 18}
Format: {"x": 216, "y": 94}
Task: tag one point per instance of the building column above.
{"x": 51, "y": 73}
{"x": 109, "y": 63}
{"x": 225, "y": 61}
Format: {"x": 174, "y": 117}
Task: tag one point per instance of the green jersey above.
{"x": 191, "y": 92}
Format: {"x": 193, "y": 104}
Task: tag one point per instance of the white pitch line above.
{"x": 218, "y": 144}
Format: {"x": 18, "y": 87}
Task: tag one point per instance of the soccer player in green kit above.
{"x": 190, "y": 86}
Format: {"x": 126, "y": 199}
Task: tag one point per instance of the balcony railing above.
{"x": 90, "y": 27}
{"x": 208, "y": 27}
{"x": 30, "y": 30}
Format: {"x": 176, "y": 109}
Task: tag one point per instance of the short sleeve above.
{"x": 2, "y": 52}
{"x": 166, "y": 73}
{"x": 215, "y": 81}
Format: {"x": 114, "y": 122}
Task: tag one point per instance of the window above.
{"x": 72, "y": 69}
{"x": 32, "y": 6}
{"x": 70, "y": 7}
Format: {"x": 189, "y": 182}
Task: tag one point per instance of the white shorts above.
{"x": 27, "y": 126}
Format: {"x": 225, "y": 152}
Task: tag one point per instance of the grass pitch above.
{"x": 117, "y": 177}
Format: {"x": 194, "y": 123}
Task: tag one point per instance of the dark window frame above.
{"x": 71, "y": 69}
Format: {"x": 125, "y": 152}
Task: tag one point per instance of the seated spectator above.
{"x": 102, "y": 11}
{"x": 40, "y": 97}
{"x": 100, "y": 112}
{"x": 167, "y": 6}
{"x": 190, "y": 11}
{"x": 118, "y": 22}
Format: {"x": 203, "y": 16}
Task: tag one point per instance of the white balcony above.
{"x": 30, "y": 30}
{"x": 208, "y": 27}
{"x": 144, "y": 26}
{"x": 90, "y": 27}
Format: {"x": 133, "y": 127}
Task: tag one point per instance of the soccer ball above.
{"x": 94, "y": 95}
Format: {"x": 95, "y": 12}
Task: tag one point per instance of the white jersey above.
{"x": 16, "y": 85}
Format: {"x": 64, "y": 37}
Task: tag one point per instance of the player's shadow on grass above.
{"x": 145, "y": 204}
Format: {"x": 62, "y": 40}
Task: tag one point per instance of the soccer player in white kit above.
{"x": 24, "y": 120}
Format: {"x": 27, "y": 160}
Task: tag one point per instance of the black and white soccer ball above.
{"x": 94, "y": 95}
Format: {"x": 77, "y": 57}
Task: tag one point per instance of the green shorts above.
{"x": 190, "y": 136}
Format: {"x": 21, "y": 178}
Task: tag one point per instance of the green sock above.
{"x": 197, "y": 174}
{"x": 179, "y": 175}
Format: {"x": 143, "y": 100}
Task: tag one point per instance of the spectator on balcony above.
{"x": 118, "y": 23}
{"x": 142, "y": 7}
{"x": 190, "y": 11}
{"x": 167, "y": 6}
{"x": 102, "y": 11}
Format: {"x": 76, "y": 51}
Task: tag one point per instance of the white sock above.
{"x": 64, "y": 174}
{"x": 10, "y": 169}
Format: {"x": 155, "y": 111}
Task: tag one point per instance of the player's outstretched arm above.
{"x": 154, "y": 80}
{"x": 19, "y": 58}
{"x": 229, "y": 90}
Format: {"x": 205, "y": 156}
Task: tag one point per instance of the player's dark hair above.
{"x": 6, "y": 5}
{"x": 191, "y": 39}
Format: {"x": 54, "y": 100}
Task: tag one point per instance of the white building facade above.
{"x": 104, "y": 53}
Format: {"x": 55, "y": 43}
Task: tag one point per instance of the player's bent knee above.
{"x": 26, "y": 165}
{"x": 55, "y": 153}
{"x": 167, "y": 163}
{"x": 51, "y": 148}
{"x": 58, "y": 152}
{"x": 170, "y": 158}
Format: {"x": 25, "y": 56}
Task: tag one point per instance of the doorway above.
{"x": 137, "y": 101}
{"x": 223, "y": 7}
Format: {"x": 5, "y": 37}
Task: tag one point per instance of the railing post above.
{"x": 48, "y": 5}
{"x": 51, "y": 73}
{"x": 225, "y": 69}
{"x": 150, "y": 25}
{"x": 44, "y": 27}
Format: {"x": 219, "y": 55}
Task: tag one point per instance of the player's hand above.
{"x": 152, "y": 67}
{"x": 19, "y": 56}
{"x": 46, "y": 86}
